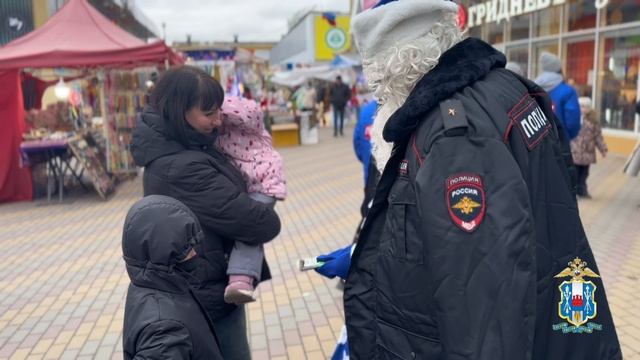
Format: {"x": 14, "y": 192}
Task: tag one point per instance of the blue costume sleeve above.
{"x": 358, "y": 138}
{"x": 362, "y": 145}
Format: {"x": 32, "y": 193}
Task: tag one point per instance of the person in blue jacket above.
{"x": 563, "y": 96}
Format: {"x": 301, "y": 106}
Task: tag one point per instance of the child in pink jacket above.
{"x": 243, "y": 138}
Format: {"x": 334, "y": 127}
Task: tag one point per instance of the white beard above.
{"x": 393, "y": 73}
{"x": 380, "y": 149}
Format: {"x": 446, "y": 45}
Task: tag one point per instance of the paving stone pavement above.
{"x": 63, "y": 282}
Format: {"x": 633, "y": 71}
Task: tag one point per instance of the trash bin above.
{"x": 308, "y": 133}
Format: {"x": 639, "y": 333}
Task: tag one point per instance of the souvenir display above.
{"x": 89, "y": 153}
{"x": 94, "y": 124}
{"x": 125, "y": 96}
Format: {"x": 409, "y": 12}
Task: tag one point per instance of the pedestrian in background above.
{"x": 322, "y": 100}
{"x": 162, "y": 318}
{"x": 563, "y": 96}
{"x": 339, "y": 95}
{"x": 515, "y": 68}
{"x": 583, "y": 147}
{"x": 305, "y": 97}
{"x": 174, "y": 141}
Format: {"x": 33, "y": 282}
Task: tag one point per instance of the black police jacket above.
{"x": 203, "y": 179}
{"x": 473, "y": 247}
{"x": 162, "y": 318}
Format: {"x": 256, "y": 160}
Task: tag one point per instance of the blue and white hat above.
{"x": 393, "y": 22}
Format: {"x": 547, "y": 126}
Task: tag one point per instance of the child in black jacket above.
{"x": 163, "y": 319}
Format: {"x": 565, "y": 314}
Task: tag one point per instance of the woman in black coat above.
{"x": 174, "y": 141}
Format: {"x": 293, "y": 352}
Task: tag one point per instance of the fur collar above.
{"x": 460, "y": 66}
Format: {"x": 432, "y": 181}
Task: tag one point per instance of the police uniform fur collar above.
{"x": 466, "y": 62}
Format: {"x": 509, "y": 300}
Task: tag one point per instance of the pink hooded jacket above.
{"x": 243, "y": 138}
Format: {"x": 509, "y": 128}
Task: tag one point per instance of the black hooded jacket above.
{"x": 163, "y": 319}
{"x": 203, "y": 179}
{"x": 473, "y": 248}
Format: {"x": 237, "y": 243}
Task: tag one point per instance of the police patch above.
{"x": 531, "y": 121}
{"x": 466, "y": 200}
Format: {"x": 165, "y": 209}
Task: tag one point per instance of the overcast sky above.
{"x": 218, "y": 20}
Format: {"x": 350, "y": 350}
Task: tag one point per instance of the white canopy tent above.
{"x": 297, "y": 77}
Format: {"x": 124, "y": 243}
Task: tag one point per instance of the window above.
{"x": 618, "y": 80}
{"x": 551, "y": 47}
{"x": 496, "y": 32}
{"x": 622, "y": 11}
{"x": 578, "y": 66}
{"x": 54, "y": 6}
{"x": 520, "y": 56}
{"x": 475, "y": 32}
{"x": 547, "y": 21}
{"x": 581, "y": 14}
{"x": 519, "y": 27}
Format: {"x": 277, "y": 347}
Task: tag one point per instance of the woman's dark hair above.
{"x": 179, "y": 90}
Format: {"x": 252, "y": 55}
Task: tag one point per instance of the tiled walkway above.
{"x": 62, "y": 279}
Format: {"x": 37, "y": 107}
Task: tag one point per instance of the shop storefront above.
{"x": 598, "y": 41}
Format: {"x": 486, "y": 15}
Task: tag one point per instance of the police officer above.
{"x": 473, "y": 247}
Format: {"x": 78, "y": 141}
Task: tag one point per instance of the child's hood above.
{"x": 240, "y": 113}
{"x": 158, "y": 233}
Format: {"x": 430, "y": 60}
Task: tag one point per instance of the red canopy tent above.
{"x": 76, "y": 36}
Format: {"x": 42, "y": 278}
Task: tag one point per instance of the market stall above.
{"x": 104, "y": 56}
{"x": 240, "y": 71}
{"x": 306, "y": 104}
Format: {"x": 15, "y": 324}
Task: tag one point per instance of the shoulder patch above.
{"x": 466, "y": 200}
{"x": 453, "y": 114}
{"x": 530, "y": 120}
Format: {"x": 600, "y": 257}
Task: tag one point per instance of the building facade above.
{"x": 313, "y": 39}
{"x": 597, "y": 40}
{"x": 16, "y": 19}
{"x": 224, "y": 50}
{"x": 19, "y": 17}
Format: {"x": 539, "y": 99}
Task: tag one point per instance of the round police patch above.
{"x": 466, "y": 200}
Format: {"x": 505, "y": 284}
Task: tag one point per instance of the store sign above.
{"x": 16, "y": 19}
{"x": 499, "y": 10}
{"x": 331, "y": 40}
{"x": 15, "y": 23}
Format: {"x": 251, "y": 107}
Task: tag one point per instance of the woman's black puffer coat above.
{"x": 203, "y": 179}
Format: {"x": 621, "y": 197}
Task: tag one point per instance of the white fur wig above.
{"x": 393, "y": 71}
